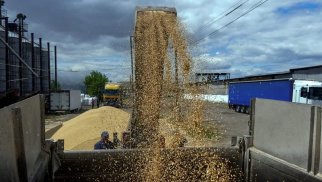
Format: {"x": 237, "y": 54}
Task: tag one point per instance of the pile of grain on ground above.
{"x": 83, "y": 131}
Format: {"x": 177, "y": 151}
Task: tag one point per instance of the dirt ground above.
{"x": 217, "y": 116}
{"x": 228, "y": 122}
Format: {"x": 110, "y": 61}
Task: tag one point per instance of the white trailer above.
{"x": 65, "y": 100}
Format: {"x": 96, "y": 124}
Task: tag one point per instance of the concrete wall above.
{"x": 286, "y": 143}
{"x": 8, "y": 165}
{"x": 15, "y": 151}
{"x": 282, "y": 129}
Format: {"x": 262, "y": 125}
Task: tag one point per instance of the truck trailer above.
{"x": 65, "y": 100}
{"x": 298, "y": 91}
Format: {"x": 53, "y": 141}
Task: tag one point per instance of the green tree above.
{"x": 94, "y": 83}
{"x": 53, "y": 85}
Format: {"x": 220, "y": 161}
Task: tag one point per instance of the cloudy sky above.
{"x": 94, "y": 34}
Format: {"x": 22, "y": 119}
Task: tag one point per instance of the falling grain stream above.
{"x": 158, "y": 77}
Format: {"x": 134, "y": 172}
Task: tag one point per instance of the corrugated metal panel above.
{"x": 45, "y": 70}
{"x": 2, "y": 65}
{"x": 37, "y": 69}
{"x": 14, "y": 65}
{"x": 26, "y": 55}
{"x": 314, "y": 74}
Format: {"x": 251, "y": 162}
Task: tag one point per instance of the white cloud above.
{"x": 95, "y": 34}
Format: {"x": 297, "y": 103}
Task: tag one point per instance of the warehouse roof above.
{"x": 305, "y": 68}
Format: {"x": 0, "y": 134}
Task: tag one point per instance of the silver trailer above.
{"x": 65, "y": 100}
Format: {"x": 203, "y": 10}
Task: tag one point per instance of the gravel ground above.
{"x": 228, "y": 122}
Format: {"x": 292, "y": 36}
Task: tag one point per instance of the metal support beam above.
{"x": 17, "y": 55}
{"x": 56, "y": 81}
{"x": 33, "y": 61}
{"x": 7, "y": 52}
{"x": 20, "y": 55}
{"x": 48, "y": 48}
{"x": 41, "y": 66}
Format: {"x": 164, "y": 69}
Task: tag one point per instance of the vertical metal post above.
{"x": 56, "y": 81}
{"x": 7, "y": 53}
{"x": 41, "y": 66}
{"x": 20, "y": 55}
{"x": 48, "y": 48}
{"x": 33, "y": 61}
{"x": 1, "y": 4}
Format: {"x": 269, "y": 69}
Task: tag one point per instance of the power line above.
{"x": 224, "y": 14}
{"x": 258, "y": 4}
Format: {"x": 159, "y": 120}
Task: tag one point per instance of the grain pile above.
{"x": 83, "y": 131}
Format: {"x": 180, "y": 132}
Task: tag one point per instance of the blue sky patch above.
{"x": 299, "y": 7}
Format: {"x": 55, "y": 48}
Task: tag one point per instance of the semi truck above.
{"x": 298, "y": 91}
{"x": 112, "y": 95}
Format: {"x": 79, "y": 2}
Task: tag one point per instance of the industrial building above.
{"x": 25, "y": 63}
{"x": 313, "y": 73}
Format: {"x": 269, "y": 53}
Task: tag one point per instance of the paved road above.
{"x": 228, "y": 122}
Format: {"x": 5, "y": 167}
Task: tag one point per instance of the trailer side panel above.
{"x": 241, "y": 93}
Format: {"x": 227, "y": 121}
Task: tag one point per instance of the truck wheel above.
{"x": 247, "y": 110}
{"x": 237, "y": 109}
{"x": 242, "y": 109}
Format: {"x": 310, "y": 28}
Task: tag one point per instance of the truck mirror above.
{"x": 304, "y": 92}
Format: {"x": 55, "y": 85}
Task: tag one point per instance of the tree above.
{"x": 53, "y": 85}
{"x": 95, "y": 83}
